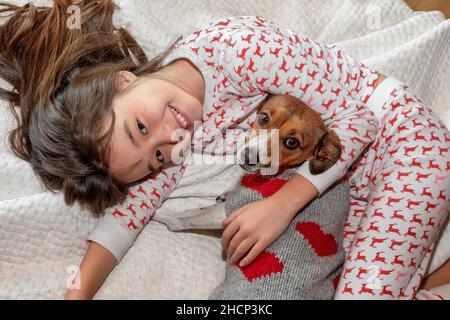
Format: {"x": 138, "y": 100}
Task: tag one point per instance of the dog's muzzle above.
{"x": 254, "y": 153}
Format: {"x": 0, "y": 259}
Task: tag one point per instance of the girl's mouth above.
{"x": 183, "y": 120}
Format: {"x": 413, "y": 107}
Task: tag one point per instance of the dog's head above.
{"x": 301, "y": 132}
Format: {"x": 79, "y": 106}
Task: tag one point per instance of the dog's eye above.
{"x": 291, "y": 143}
{"x": 263, "y": 119}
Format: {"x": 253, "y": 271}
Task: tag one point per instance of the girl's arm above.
{"x": 116, "y": 231}
{"x": 266, "y": 59}
{"x": 94, "y": 269}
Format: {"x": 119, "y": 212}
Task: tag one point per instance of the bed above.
{"x": 42, "y": 241}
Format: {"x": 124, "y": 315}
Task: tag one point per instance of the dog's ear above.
{"x": 327, "y": 153}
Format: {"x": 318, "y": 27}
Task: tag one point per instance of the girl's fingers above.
{"x": 234, "y": 215}
{"x": 253, "y": 254}
{"x": 242, "y": 249}
{"x": 228, "y": 234}
{"x": 238, "y": 237}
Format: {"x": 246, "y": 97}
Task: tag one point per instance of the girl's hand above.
{"x": 252, "y": 228}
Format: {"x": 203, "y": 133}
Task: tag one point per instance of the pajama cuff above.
{"x": 381, "y": 94}
{"x": 321, "y": 181}
{"x": 112, "y": 236}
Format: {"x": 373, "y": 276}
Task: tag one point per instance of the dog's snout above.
{"x": 249, "y": 157}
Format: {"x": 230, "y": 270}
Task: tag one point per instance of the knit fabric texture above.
{"x": 305, "y": 262}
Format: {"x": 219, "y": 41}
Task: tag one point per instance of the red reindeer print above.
{"x": 417, "y": 124}
{"x": 425, "y": 235}
{"x": 386, "y": 272}
{"x": 319, "y": 88}
{"x": 360, "y": 257}
{"x": 275, "y": 82}
{"x": 398, "y": 216}
{"x": 412, "y": 247}
{"x": 155, "y": 193}
{"x": 426, "y": 150}
{"x": 305, "y": 88}
{"x": 441, "y": 195}
{"x": 378, "y": 213}
{"x": 300, "y": 67}
{"x": 130, "y": 208}
{"x": 411, "y": 233}
{"x": 386, "y": 292}
{"x": 118, "y": 213}
{"x": 412, "y": 263}
{"x": 144, "y": 205}
{"x": 350, "y": 127}
{"x": 336, "y": 91}
{"x": 409, "y": 150}
{"x": 365, "y": 289}
{"x": 327, "y": 104}
{"x": 432, "y": 165}
{"x": 418, "y": 137}
{"x": 131, "y": 225}
{"x": 377, "y": 241}
{"x": 393, "y": 200}
{"x": 407, "y": 189}
{"x": 262, "y": 81}
{"x": 283, "y": 66}
{"x": 291, "y": 82}
{"x": 431, "y": 223}
{"x": 395, "y": 243}
{"x": 313, "y": 74}
{"x": 275, "y": 52}
{"x": 258, "y": 51}
{"x": 248, "y": 38}
{"x": 412, "y": 203}
{"x": 359, "y": 240}
{"x": 430, "y": 206}
{"x": 392, "y": 229}
{"x": 373, "y": 227}
{"x": 243, "y": 54}
{"x": 434, "y": 138}
{"x": 416, "y": 220}
{"x": 422, "y": 176}
{"x": 379, "y": 257}
{"x": 347, "y": 272}
{"x": 426, "y": 193}
{"x": 442, "y": 151}
{"x": 361, "y": 271}
{"x": 416, "y": 164}
{"x": 403, "y": 174}
{"x": 398, "y": 261}
{"x": 396, "y": 105}
{"x": 348, "y": 289}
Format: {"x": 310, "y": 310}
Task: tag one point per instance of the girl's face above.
{"x": 142, "y": 138}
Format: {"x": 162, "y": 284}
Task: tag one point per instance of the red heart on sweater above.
{"x": 266, "y": 264}
{"x": 265, "y": 186}
{"x": 323, "y": 244}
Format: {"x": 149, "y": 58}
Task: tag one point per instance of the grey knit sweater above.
{"x": 305, "y": 261}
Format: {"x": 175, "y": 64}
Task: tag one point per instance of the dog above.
{"x": 302, "y": 136}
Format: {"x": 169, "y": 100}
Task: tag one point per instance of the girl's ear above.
{"x": 124, "y": 78}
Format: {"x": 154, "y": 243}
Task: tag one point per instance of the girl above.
{"x": 97, "y": 121}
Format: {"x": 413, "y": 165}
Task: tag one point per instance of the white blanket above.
{"x": 41, "y": 239}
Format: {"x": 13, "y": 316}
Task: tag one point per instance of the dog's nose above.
{"x": 249, "y": 157}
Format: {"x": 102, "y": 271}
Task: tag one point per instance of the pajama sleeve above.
{"x": 119, "y": 227}
{"x": 264, "y": 59}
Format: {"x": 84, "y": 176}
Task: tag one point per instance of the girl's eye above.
{"x": 141, "y": 127}
{"x": 159, "y": 156}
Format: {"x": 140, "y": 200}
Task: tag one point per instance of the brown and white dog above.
{"x": 301, "y": 135}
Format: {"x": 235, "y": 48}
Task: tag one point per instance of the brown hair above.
{"x": 63, "y": 84}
